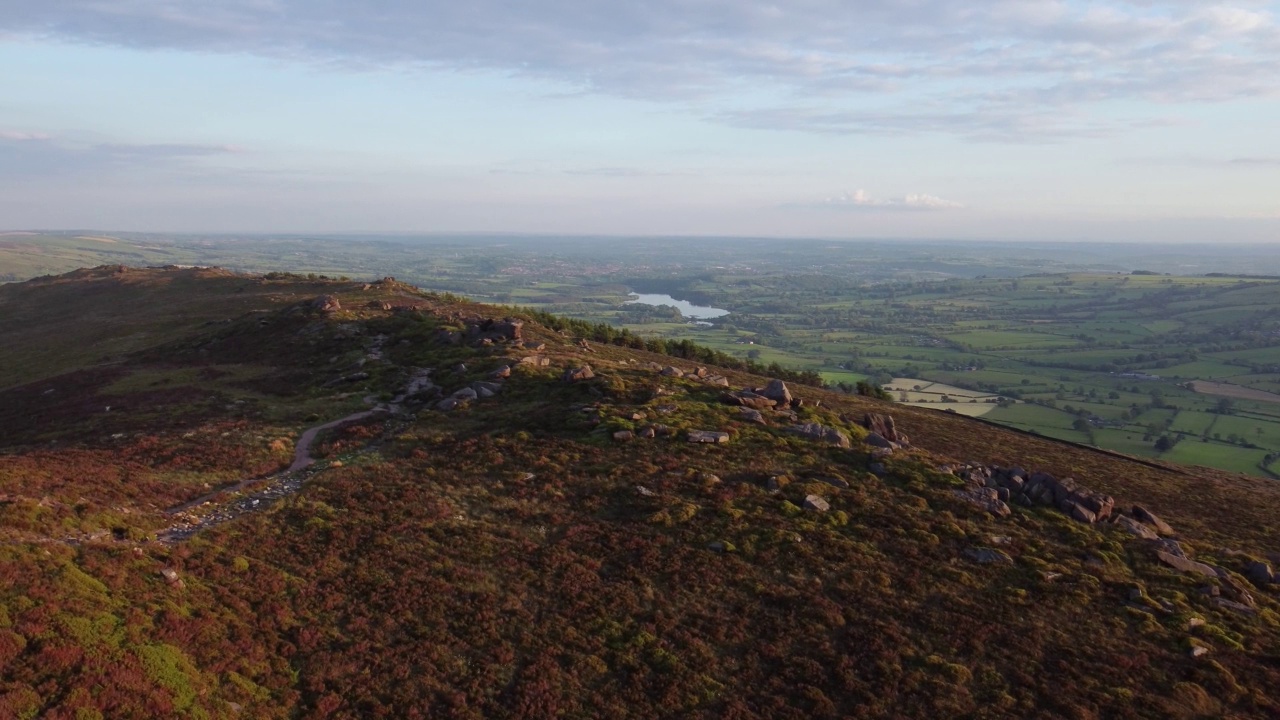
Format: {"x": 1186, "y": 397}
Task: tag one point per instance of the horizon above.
{"x": 1044, "y": 120}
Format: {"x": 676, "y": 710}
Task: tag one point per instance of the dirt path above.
{"x": 273, "y": 487}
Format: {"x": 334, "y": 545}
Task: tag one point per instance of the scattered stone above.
{"x": 1185, "y": 565}
{"x": 666, "y": 409}
{"x": 663, "y": 430}
{"x": 465, "y": 394}
{"x": 816, "y": 503}
{"x": 623, "y": 436}
{"x": 1148, "y": 517}
{"x": 987, "y": 499}
{"x": 578, "y": 374}
{"x": 988, "y": 556}
{"x": 171, "y": 577}
{"x": 448, "y": 404}
{"x": 709, "y": 478}
{"x": 822, "y": 433}
{"x": 648, "y": 432}
{"x": 637, "y": 416}
{"x": 644, "y": 491}
{"x": 708, "y": 436}
{"x": 536, "y": 360}
{"x": 718, "y": 380}
{"x": 378, "y": 305}
{"x": 1199, "y": 650}
{"x": 670, "y": 371}
{"x": 777, "y": 391}
{"x": 493, "y": 387}
{"x": 501, "y": 373}
{"x": 752, "y": 416}
{"x": 1135, "y": 528}
{"x": 721, "y": 546}
{"x": 535, "y": 346}
{"x": 776, "y": 482}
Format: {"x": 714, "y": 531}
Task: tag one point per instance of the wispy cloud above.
{"x": 861, "y": 200}
{"x": 29, "y": 155}
{"x": 1005, "y": 70}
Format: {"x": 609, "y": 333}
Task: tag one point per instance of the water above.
{"x": 688, "y": 309}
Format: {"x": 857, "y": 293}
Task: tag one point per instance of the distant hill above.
{"x": 270, "y": 496}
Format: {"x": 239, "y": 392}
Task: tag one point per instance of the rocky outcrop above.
{"x": 884, "y": 426}
{"x": 505, "y": 330}
{"x": 325, "y": 304}
{"x": 822, "y": 433}
{"x": 986, "y": 498}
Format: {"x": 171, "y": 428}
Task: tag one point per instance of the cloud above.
{"x": 30, "y": 155}
{"x": 19, "y": 136}
{"x": 995, "y": 70}
{"x": 860, "y": 200}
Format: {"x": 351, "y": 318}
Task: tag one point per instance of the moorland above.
{"x": 535, "y": 531}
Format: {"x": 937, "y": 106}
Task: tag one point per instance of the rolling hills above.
{"x": 491, "y": 531}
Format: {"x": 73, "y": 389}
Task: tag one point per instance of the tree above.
{"x": 1225, "y": 406}
{"x": 1164, "y": 444}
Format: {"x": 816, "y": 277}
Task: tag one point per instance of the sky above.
{"x": 1123, "y": 120}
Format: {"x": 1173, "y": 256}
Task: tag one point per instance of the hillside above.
{"x": 481, "y": 528}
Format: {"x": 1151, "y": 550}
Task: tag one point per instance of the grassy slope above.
{"x": 437, "y": 576}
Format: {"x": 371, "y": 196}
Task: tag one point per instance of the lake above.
{"x": 686, "y": 308}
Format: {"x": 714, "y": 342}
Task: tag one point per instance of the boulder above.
{"x": 465, "y": 394}
{"x": 502, "y": 373}
{"x": 777, "y": 391}
{"x": 816, "y": 503}
{"x": 708, "y": 436}
{"x": 877, "y": 440}
{"x": 718, "y": 380}
{"x": 623, "y": 436}
{"x": 752, "y": 416}
{"x": 822, "y": 433}
{"x": 988, "y": 556}
{"x": 670, "y": 371}
{"x": 746, "y": 398}
{"x": 578, "y": 374}
{"x": 482, "y": 385}
{"x": 536, "y": 360}
{"x": 1260, "y": 573}
{"x": 171, "y": 577}
{"x": 648, "y": 432}
{"x": 448, "y": 404}
{"x": 1185, "y": 565}
{"x": 1148, "y": 517}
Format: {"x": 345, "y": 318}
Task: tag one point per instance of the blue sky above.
{"x": 1120, "y": 120}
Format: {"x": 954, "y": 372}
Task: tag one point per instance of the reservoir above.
{"x": 688, "y": 309}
